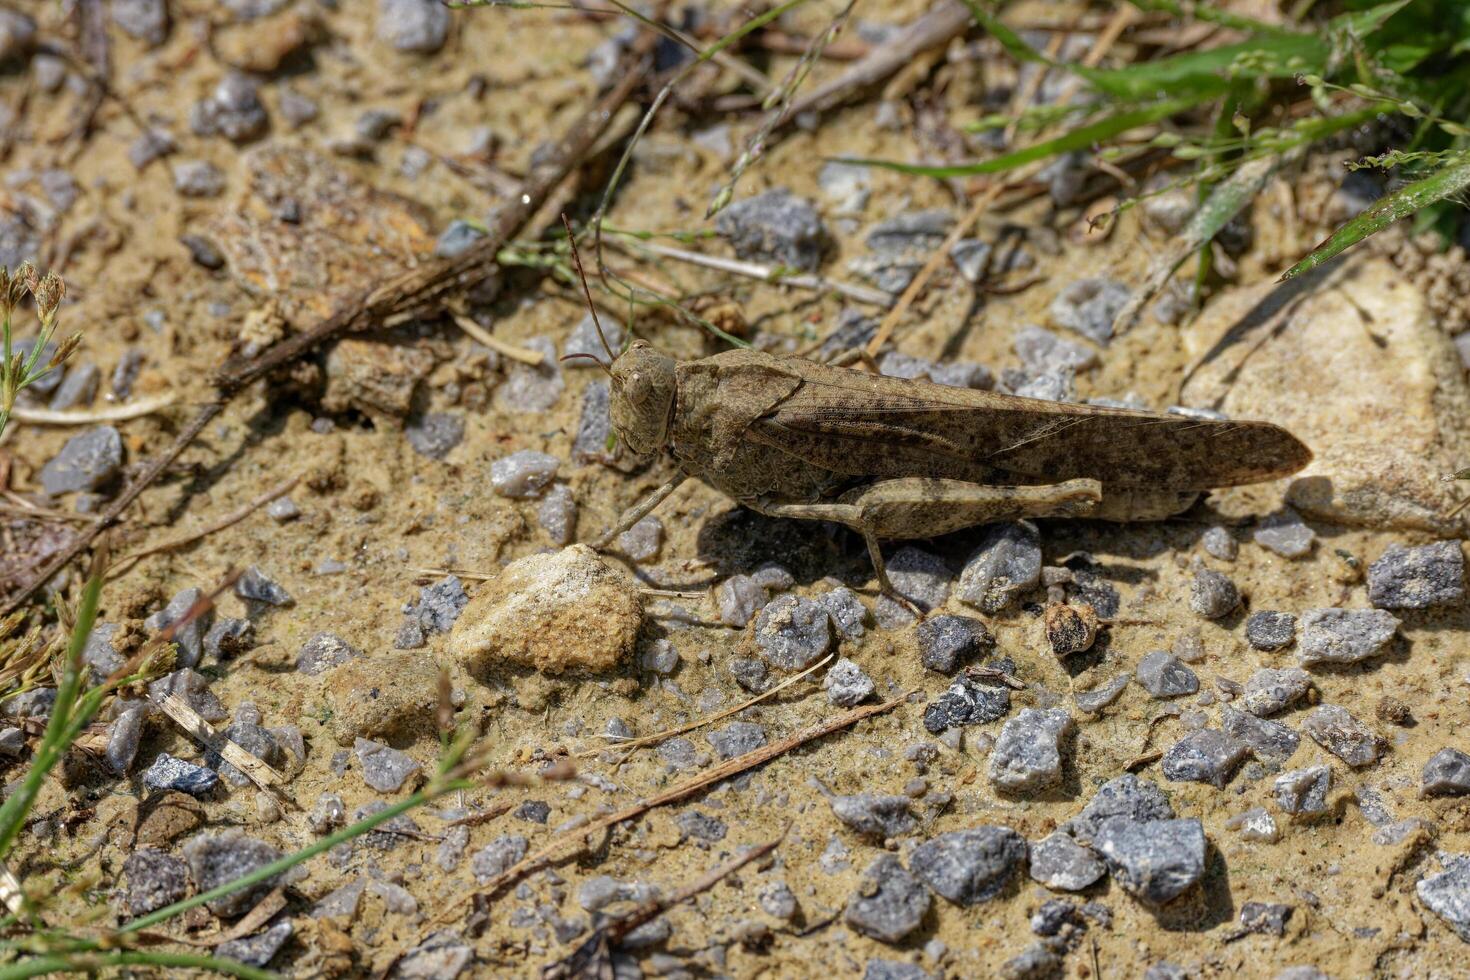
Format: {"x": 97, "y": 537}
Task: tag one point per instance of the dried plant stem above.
{"x": 483, "y": 336}
{"x": 754, "y": 270}
{"x": 117, "y": 413}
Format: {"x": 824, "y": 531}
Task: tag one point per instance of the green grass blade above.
{"x": 1078, "y": 139}
{"x": 1451, "y": 179}
{"x": 38, "y": 966}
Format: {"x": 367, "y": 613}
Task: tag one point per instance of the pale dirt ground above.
{"x": 387, "y": 510}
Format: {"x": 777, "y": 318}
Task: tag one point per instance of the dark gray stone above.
{"x": 88, "y": 461}
{"x": 849, "y": 615}
{"x": 889, "y": 903}
{"x": 193, "y": 689}
{"x": 1266, "y": 918}
{"x": 1165, "y": 676}
{"x": 1303, "y": 791}
{"x": 1036, "y": 962}
{"x": 1205, "y": 756}
{"x": 736, "y": 738}
{"x": 1338, "y": 732}
{"x": 259, "y": 949}
{"x": 701, "y": 826}
{"x": 434, "y": 434}
{"x": 919, "y": 576}
{"x": 323, "y": 652}
{"x": 78, "y": 388}
{"x": 1126, "y": 796}
{"x": 750, "y": 673}
{"x": 1103, "y": 695}
{"x": 384, "y": 769}
{"x": 1271, "y": 741}
{"x": 155, "y": 879}
{"x": 233, "y": 110}
{"x": 1268, "y": 630}
{"x": 413, "y": 26}
{"x": 846, "y": 684}
{"x": 874, "y": 814}
{"x": 1447, "y": 773}
{"x": 969, "y": 866}
{"x": 792, "y": 633}
{"x": 776, "y": 226}
{"x": 498, "y": 856}
{"x": 442, "y": 956}
{"x": 190, "y": 636}
{"x": 1344, "y": 636}
{"x": 533, "y": 811}
{"x": 1027, "y": 757}
{"x": 1155, "y": 861}
{"x": 218, "y": 859}
{"x": 947, "y": 642}
{"x": 256, "y": 587}
{"x": 1219, "y": 543}
{"x": 1417, "y": 578}
{"x": 1271, "y": 691}
{"x": 146, "y": 20}
{"x": 1286, "y": 534}
{"x": 967, "y": 702}
{"x": 1059, "y": 862}
{"x": 439, "y": 605}
{"x": 1089, "y": 306}
{"x": 169, "y": 773}
{"x": 1447, "y": 894}
{"x": 1212, "y": 594}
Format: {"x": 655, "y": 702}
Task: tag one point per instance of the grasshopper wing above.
{"x": 856, "y": 424}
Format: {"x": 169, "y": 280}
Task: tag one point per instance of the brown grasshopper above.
{"x": 897, "y": 458}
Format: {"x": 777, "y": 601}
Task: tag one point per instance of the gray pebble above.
{"x": 584, "y": 340}
{"x": 88, "y": 461}
{"x": 1271, "y": 741}
{"x": 297, "y": 109}
{"x": 497, "y": 857}
{"x": 1212, "y": 594}
{"x": 889, "y": 903}
{"x": 1265, "y": 918}
{"x": 848, "y": 613}
{"x": 256, "y": 587}
{"x": 439, "y": 605}
{"x": 776, "y": 226}
{"x": 846, "y": 185}
{"x": 969, "y": 866}
{"x": 1036, "y": 962}
{"x": 155, "y": 879}
{"x": 679, "y": 754}
{"x": 533, "y": 387}
{"x": 229, "y": 637}
{"x": 921, "y": 577}
{"x": 846, "y": 684}
{"x": 792, "y": 633}
{"x": 1051, "y": 386}
{"x": 947, "y": 642}
{"x": 413, "y": 26}
{"x": 523, "y": 474}
{"x": 1343, "y": 636}
{"x": 282, "y": 510}
{"x": 324, "y": 651}
{"x": 1270, "y": 630}
{"x": 123, "y": 738}
{"x": 1338, "y": 732}
{"x": 1042, "y": 351}
{"x": 701, "y": 826}
{"x": 190, "y": 635}
{"x": 1027, "y": 756}
{"x": 777, "y": 899}
{"x": 736, "y": 738}
{"x": 169, "y": 773}
{"x": 1125, "y": 796}
{"x": 1286, "y": 534}
{"x": 1153, "y": 860}
{"x": 259, "y": 949}
{"x": 1005, "y": 566}
{"x": 150, "y": 146}
{"x": 434, "y": 434}
{"x": 533, "y": 811}
{"x": 146, "y": 20}
{"x": 1447, "y": 773}
{"x": 217, "y": 859}
{"x": 739, "y": 598}
{"x": 642, "y": 541}
{"x": 557, "y": 514}
{"x": 1165, "y": 676}
{"x": 78, "y": 388}
{"x": 233, "y": 110}
{"x": 457, "y": 238}
{"x": 967, "y": 702}
{"x": 327, "y": 814}
{"x": 384, "y": 769}
{"x": 1270, "y": 691}
{"x": 1447, "y": 894}
{"x": 48, "y": 72}
{"x": 1089, "y": 306}
{"x": 1059, "y": 862}
{"x": 1417, "y": 578}
{"x": 1219, "y": 543}
{"x": 442, "y": 956}
{"x": 1103, "y": 695}
{"x": 193, "y": 689}
{"x": 1303, "y": 791}
{"x": 874, "y": 814}
{"x": 750, "y": 673}
{"x": 1204, "y": 756}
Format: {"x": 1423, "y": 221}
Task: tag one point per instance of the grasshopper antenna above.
{"x": 587, "y": 293}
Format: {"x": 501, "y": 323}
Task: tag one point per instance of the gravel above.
{"x": 1060, "y": 863}
{"x": 1270, "y": 691}
{"x": 1125, "y": 797}
{"x": 1303, "y": 791}
{"x": 1417, "y": 578}
{"x": 1027, "y": 757}
{"x": 1337, "y": 731}
{"x": 1344, "y": 636}
{"x": 233, "y": 110}
{"x": 1219, "y": 543}
{"x": 888, "y": 904}
{"x": 169, "y": 773}
{"x": 947, "y": 642}
{"x": 776, "y": 226}
{"x": 874, "y": 814}
{"x": 1154, "y": 860}
{"x": 967, "y": 702}
{"x": 1165, "y": 676}
{"x": 969, "y": 866}
{"x": 413, "y": 26}
{"x": 324, "y": 651}
{"x": 217, "y": 859}
{"x": 642, "y": 541}
{"x": 1286, "y": 534}
{"x": 154, "y": 879}
{"x": 495, "y": 858}
{"x": 1103, "y": 695}
{"x": 1205, "y": 756}
{"x": 583, "y": 339}
{"x": 198, "y": 178}
{"x": 1271, "y": 741}
{"x": 557, "y": 514}
{"x": 919, "y": 576}
{"x": 256, "y": 587}
{"x": 1089, "y": 306}
{"x": 384, "y": 769}
{"x": 846, "y": 684}
{"x": 736, "y": 738}
{"x": 123, "y": 739}
{"x": 1042, "y": 351}
{"x": 739, "y": 598}
{"x": 1270, "y": 630}
{"x": 88, "y": 461}
{"x": 190, "y": 635}
{"x": 538, "y": 387}
{"x": 792, "y": 633}
{"x": 1447, "y": 773}
{"x": 259, "y": 949}
{"x": 78, "y": 388}
{"x": 442, "y": 956}
{"x": 1212, "y": 594}
{"x": 1005, "y": 566}
{"x": 523, "y": 474}
{"x": 1447, "y": 894}
{"x": 434, "y": 434}
{"x": 849, "y": 615}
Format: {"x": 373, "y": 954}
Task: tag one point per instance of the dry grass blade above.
{"x": 754, "y": 270}
{"x": 117, "y": 413}
{"x": 483, "y": 336}
{"x": 259, "y": 772}
{"x": 10, "y": 891}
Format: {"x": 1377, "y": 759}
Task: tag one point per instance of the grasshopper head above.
{"x": 642, "y": 401}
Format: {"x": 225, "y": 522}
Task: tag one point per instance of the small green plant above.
{"x": 17, "y": 370}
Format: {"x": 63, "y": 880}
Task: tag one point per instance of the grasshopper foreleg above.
{"x": 640, "y": 510}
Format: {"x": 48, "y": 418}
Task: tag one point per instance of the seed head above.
{"x": 66, "y": 350}
{"x": 48, "y": 292}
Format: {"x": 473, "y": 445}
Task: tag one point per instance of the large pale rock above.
{"x": 557, "y": 612}
{"x": 1350, "y": 360}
